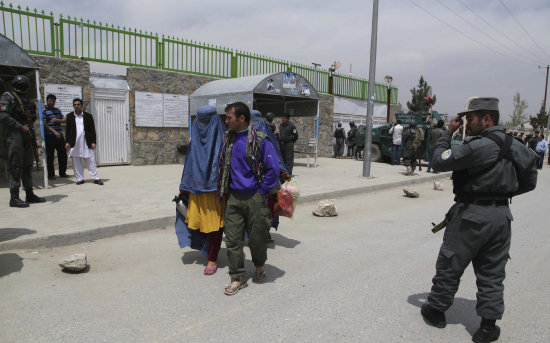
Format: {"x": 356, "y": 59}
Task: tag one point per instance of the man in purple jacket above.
{"x": 248, "y": 172}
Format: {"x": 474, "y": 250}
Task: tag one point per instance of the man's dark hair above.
{"x": 541, "y": 136}
{"x": 440, "y": 123}
{"x": 240, "y": 110}
{"x": 51, "y": 96}
{"x": 79, "y": 100}
{"x": 537, "y": 132}
{"x": 286, "y": 115}
{"x": 398, "y": 121}
{"x": 495, "y": 115}
{"x": 339, "y": 124}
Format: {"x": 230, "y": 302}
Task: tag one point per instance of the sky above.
{"x": 462, "y": 48}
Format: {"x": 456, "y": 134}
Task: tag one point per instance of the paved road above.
{"x": 358, "y": 277}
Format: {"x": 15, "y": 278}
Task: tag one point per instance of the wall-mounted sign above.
{"x": 64, "y": 94}
{"x": 161, "y": 110}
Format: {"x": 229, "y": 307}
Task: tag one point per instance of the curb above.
{"x": 63, "y": 239}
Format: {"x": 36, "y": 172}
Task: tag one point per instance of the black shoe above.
{"x": 80, "y": 182}
{"x": 64, "y": 175}
{"x": 32, "y": 198}
{"x": 98, "y": 182}
{"x": 51, "y": 177}
{"x": 433, "y": 317}
{"x": 486, "y": 334}
{"x": 16, "y": 202}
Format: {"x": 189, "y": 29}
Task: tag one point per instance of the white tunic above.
{"x": 80, "y": 147}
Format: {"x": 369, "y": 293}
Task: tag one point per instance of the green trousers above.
{"x": 246, "y": 212}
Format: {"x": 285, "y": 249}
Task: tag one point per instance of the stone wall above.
{"x": 65, "y": 71}
{"x": 306, "y": 127}
{"x": 157, "y": 145}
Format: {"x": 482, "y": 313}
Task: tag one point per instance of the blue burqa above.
{"x": 200, "y": 172}
{"x": 258, "y": 123}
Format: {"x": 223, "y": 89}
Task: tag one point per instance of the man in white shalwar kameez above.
{"x": 81, "y": 138}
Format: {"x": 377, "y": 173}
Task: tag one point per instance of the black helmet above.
{"x": 20, "y": 83}
{"x": 352, "y": 124}
{"x": 269, "y": 116}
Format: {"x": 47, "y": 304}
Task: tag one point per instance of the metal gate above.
{"x": 110, "y": 108}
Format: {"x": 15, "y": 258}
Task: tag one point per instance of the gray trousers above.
{"x": 246, "y": 212}
{"x": 21, "y": 160}
{"x": 287, "y": 152}
{"x": 480, "y": 235}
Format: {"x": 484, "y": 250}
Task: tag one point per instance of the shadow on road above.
{"x": 196, "y": 257}
{"x": 7, "y": 234}
{"x": 10, "y": 263}
{"x": 283, "y": 241}
{"x": 55, "y": 197}
{"x": 462, "y": 312}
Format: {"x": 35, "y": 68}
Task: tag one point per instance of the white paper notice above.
{"x": 176, "y": 110}
{"x": 149, "y": 109}
{"x": 64, "y": 94}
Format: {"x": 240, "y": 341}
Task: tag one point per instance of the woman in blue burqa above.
{"x": 258, "y": 123}
{"x": 201, "y": 227}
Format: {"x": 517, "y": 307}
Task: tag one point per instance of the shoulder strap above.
{"x": 504, "y": 145}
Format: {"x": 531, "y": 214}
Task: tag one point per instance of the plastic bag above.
{"x": 287, "y": 199}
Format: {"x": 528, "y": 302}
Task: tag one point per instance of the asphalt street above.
{"x": 358, "y": 277}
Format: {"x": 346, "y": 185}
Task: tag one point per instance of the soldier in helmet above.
{"x": 351, "y": 139}
{"x": 17, "y": 115}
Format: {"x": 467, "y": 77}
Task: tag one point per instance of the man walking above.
{"x": 410, "y": 154}
{"x": 17, "y": 116}
{"x": 53, "y": 118}
{"x": 340, "y": 136}
{"x": 288, "y": 135}
{"x": 542, "y": 145}
{"x": 248, "y": 172}
{"x": 351, "y": 139}
{"x": 435, "y": 135}
{"x": 397, "y": 134}
{"x": 489, "y": 168}
{"x": 81, "y": 139}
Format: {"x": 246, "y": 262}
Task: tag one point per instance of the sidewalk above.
{"x": 138, "y": 198}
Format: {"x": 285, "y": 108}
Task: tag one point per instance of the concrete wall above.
{"x": 157, "y": 145}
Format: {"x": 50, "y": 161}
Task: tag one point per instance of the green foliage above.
{"x": 519, "y": 116}
{"x": 418, "y": 102}
{"x": 540, "y": 120}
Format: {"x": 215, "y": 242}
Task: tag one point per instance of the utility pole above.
{"x": 367, "y": 153}
{"x": 544, "y": 101}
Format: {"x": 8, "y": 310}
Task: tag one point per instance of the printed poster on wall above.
{"x": 64, "y": 94}
{"x": 176, "y": 110}
{"x": 149, "y": 109}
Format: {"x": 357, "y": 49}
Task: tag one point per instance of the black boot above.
{"x": 487, "y": 332}
{"x": 433, "y": 317}
{"x": 16, "y": 202}
{"x": 32, "y": 198}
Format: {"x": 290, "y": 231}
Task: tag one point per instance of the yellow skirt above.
{"x": 204, "y": 212}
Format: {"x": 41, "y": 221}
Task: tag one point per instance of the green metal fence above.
{"x": 38, "y": 33}
{"x": 196, "y": 58}
{"x": 31, "y": 30}
{"x": 309, "y": 73}
{"x": 103, "y": 43}
{"x": 250, "y": 64}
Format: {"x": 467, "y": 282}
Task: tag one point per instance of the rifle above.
{"x": 439, "y": 226}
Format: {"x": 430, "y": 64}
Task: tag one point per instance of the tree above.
{"x": 540, "y": 121}
{"x": 418, "y": 102}
{"x": 519, "y": 117}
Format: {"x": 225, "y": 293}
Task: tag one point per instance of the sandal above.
{"x": 210, "y": 270}
{"x": 231, "y": 289}
{"x": 259, "y": 276}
